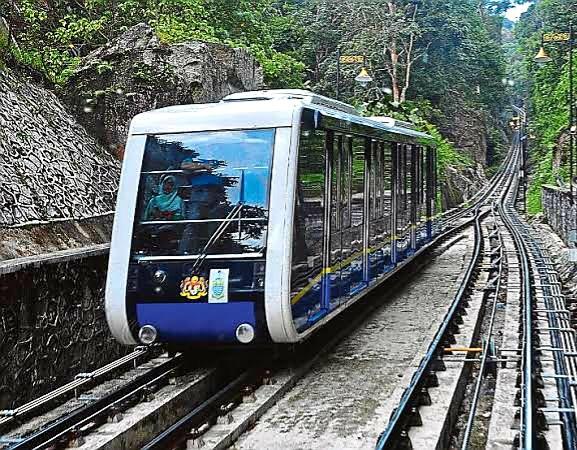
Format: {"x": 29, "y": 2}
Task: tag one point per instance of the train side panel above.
{"x": 362, "y": 206}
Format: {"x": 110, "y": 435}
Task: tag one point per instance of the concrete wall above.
{"x": 52, "y": 323}
{"x": 559, "y": 211}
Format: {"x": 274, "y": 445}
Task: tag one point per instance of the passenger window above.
{"x": 375, "y": 193}
{"x": 358, "y": 182}
{"x": 309, "y": 227}
{"x": 194, "y": 185}
{"x": 387, "y": 177}
{"x": 346, "y": 174}
{"x": 334, "y": 143}
{"x": 310, "y": 199}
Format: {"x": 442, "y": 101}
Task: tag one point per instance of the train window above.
{"x": 346, "y": 175}
{"x": 335, "y": 153}
{"x": 406, "y": 176}
{"x": 309, "y": 226}
{"x": 309, "y": 213}
{"x": 387, "y": 178}
{"x": 422, "y": 184}
{"x": 358, "y": 182}
{"x": 375, "y": 177}
{"x": 194, "y": 185}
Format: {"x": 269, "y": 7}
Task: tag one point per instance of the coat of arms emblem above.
{"x": 193, "y": 287}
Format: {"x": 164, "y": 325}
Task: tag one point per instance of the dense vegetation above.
{"x": 53, "y": 35}
{"x": 546, "y": 89}
{"x": 431, "y": 60}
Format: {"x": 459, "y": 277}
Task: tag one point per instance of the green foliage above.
{"x": 4, "y": 47}
{"x": 421, "y": 114}
{"x": 547, "y": 88}
{"x": 541, "y": 176}
{"x": 57, "y": 33}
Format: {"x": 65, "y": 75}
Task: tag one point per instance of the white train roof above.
{"x": 256, "y": 109}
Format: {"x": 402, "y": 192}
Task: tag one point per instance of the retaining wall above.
{"x": 52, "y": 323}
{"x": 559, "y": 210}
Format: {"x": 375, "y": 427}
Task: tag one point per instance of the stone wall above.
{"x": 559, "y": 211}
{"x": 57, "y": 184}
{"x": 57, "y": 191}
{"x": 52, "y": 323}
{"x": 50, "y": 168}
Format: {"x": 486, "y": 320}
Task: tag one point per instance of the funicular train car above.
{"x": 255, "y": 220}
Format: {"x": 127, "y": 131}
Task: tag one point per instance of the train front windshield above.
{"x": 204, "y": 193}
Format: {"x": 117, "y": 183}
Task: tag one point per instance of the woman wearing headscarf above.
{"x": 167, "y": 205}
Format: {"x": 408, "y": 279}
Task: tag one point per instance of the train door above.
{"x": 395, "y": 150}
{"x": 387, "y": 150}
{"x": 373, "y": 201}
{"x": 414, "y": 196}
{"x": 421, "y": 200}
{"x": 404, "y": 201}
{"x": 431, "y": 188}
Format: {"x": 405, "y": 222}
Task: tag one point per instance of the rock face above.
{"x": 461, "y": 185}
{"x": 53, "y": 175}
{"x": 136, "y": 73}
{"x": 474, "y": 133}
{"x": 465, "y": 128}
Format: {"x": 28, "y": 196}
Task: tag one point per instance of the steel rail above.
{"x": 173, "y": 436}
{"x": 528, "y": 438}
{"x": 81, "y": 380}
{"x": 86, "y": 414}
{"x": 391, "y": 438}
{"x": 485, "y": 351}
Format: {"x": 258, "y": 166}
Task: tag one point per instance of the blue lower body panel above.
{"x": 200, "y": 322}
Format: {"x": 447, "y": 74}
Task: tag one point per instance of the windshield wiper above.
{"x": 217, "y": 234}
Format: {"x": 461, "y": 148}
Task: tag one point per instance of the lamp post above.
{"x": 543, "y": 58}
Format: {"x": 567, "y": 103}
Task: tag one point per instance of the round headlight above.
{"x": 147, "y": 334}
{"x": 245, "y": 333}
{"x": 159, "y": 276}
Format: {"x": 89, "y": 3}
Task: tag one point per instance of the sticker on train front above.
{"x": 218, "y": 286}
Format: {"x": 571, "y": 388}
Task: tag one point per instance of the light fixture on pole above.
{"x": 542, "y": 57}
{"x": 363, "y": 78}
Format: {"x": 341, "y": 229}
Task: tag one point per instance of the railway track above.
{"x": 212, "y": 406}
{"x": 504, "y": 249}
{"x": 524, "y": 376}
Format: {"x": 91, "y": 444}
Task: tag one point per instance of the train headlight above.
{"x": 147, "y": 334}
{"x": 159, "y": 276}
{"x": 245, "y": 333}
